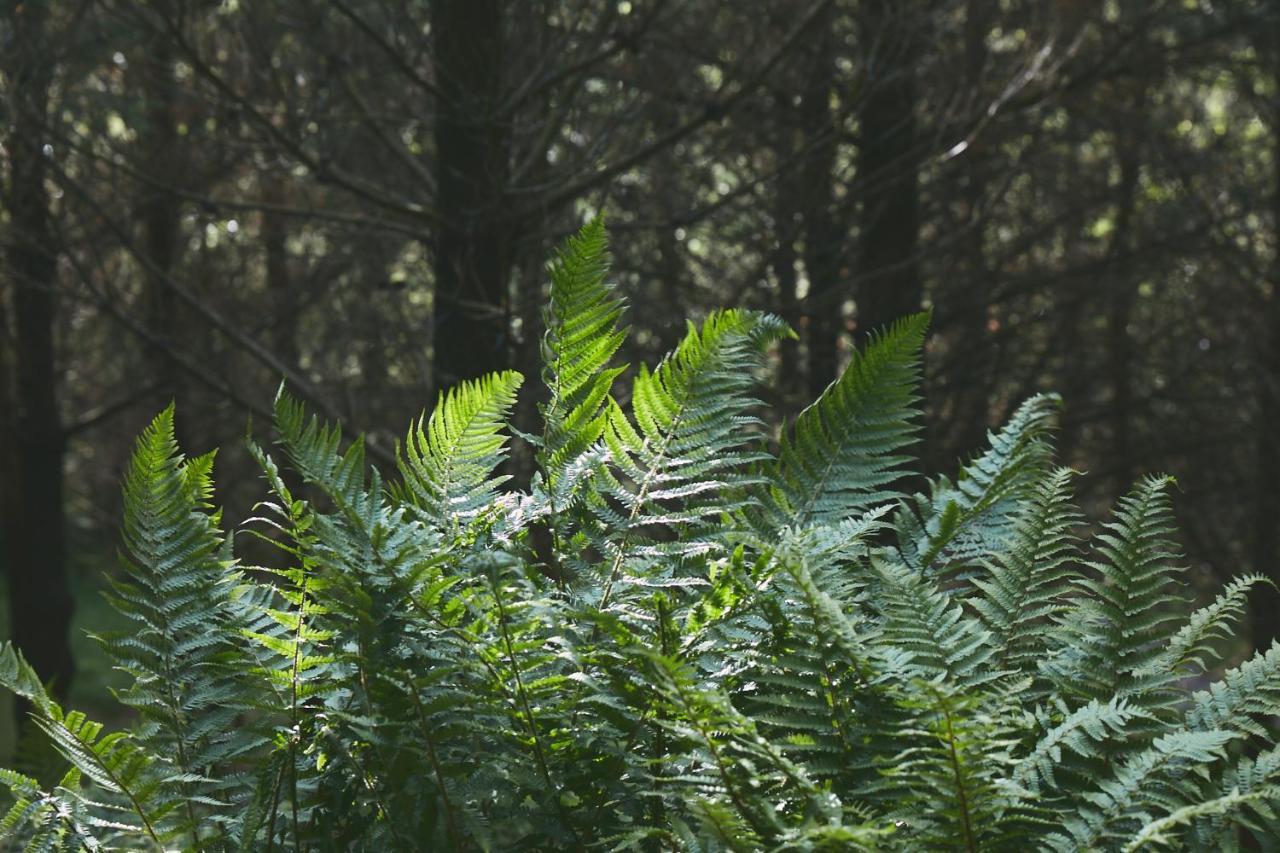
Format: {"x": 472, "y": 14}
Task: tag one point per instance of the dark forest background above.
{"x": 202, "y": 198}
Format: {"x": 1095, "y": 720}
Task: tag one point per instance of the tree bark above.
{"x": 1264, "y": 604}
{"x": 823, "y": 237}
{"x": 280, "y": 283}
{"x": 971, "y": 359}
{"x": 40, "y": 603}
{"x": 159, "y": 211}
{"x": 472, "y": 249}
{"x": 1120, "y": 309}
{"x": 889, "y": 279}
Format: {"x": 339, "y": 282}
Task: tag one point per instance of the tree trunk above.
{"x": 40, "y": 603}
{"x": 1264, "y": 604}
{"x": 280, "y": 284}
{"x": 823, "y": 237}
{"x": 967, "y": 378}
{"x": 889, "y": 279}
{"x": 472, "y": 243}
{"x": 783, "y": 263}
{"x": 159, "y": 209}
{"x": 1120, "y": 310}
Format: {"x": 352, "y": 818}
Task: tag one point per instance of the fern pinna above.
{"x": 674, "y": 638}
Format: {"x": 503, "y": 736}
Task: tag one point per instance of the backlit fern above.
{"x": 674, "y": 638}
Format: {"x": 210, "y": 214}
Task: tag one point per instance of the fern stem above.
{"x": 275, "y": 811}
{"x": 523, "y": 697}
{"x": 970, "y": 842}
{"x": 294, "y": 677}
{"x": 179, "y": 731}
{"x": 455, "y": 837}
{"x": 641, "y": 496}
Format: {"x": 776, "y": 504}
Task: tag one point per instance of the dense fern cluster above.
{"x": 675, "y": 638}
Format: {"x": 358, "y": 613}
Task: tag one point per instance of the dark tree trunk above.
{"x": 783, "y": 263}
{"x": 970, "y": 365}
{"x": 159, "y": 210}
{"x": 280, "y": 284}
{"x": 823, "y": 237}
{"x": 40, "y": 603}
{"x": 472, "y": 243}
{"x": 889, "y": 278}
{"x": 1264, "y": 604}
{"x": 1119, "y": 345}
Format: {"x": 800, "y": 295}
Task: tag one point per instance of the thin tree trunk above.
{"x": 159, "y": 212}
{"x": 1120, "y": 309}
{"x": 280, "y": 284}
{"x": 968, "y": 377}
{"x": 783, "y": 263}
{"x": 40, "y": 604}
{"x": 1265, "y": 603}
{"x": 822, "y": 233}
{"x": 889, "y": 278}
{"x": 472, "y": 246}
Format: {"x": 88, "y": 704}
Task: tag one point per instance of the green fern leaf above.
{"x": 846, "y": 449}
{"x": 1029, "y": 579}
{"x": 1127, "y": 606}
{"x": 448, "y": 461}
{"x": 958, "y": 522}
{"x": 583, "y": 334}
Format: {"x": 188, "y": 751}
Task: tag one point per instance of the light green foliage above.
{"x": 674, "y": 639}
{"x": 448, "y": 460}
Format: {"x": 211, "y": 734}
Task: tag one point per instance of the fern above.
{"x": 448, "y": 461}
{"x": 583, "y": 334}
{"x": 846, "y": 450}
{"x": 1028, "y": 580}
{"x": 673, "y": 638}
{"x": 959, "y": 521}
{"x": 1128, "y": 603}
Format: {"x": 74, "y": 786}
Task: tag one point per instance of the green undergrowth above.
{"x": 677, "y": 637}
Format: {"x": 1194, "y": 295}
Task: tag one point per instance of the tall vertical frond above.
{"x": 845, "y": 451}
{"x": 181, "y": 648}
{"x": 1028, "y": 580}
{"x": 584, "y": 332}
{"x": 1126, "y": 606}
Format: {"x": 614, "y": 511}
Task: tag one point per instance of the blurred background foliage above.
{"x": 202, "y": 198}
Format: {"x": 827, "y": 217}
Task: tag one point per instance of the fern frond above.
{"x": 1084, "y": 733}
{"x": 583, "y": 334}
{"x": 846, "y": 449}
{"x": 682, "y": 463}
{"x": 1163, "y": 832}
{"x": 1125, "y": 608}
{"x": 1027, "y": 582}
{"x": 183, "y": 649}
{"x": 949, "y": 775}
{"x": 1243, "y": 694}
{"x": 960, "y": 521}
{"x": 1152, "y": 781}
{"x": 116, "y": 762}
{"x": 448, "y": 461}
{"x": 314, "y": 449}
{"x": 938, "y": 637}
{"x": 1195, "y": 646}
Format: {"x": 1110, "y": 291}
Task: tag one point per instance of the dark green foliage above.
{"x": 673, "y": 640}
